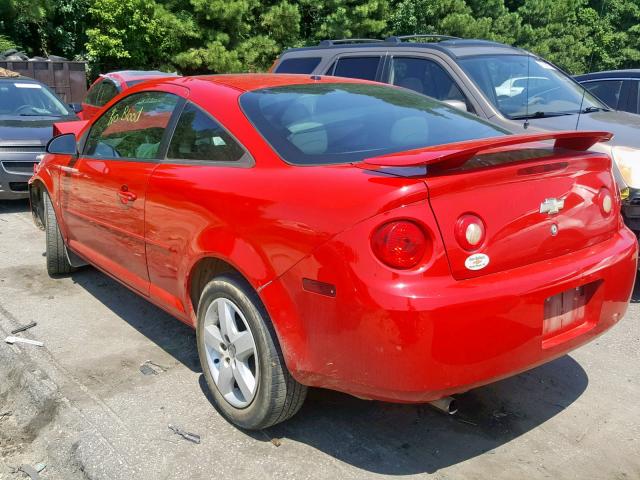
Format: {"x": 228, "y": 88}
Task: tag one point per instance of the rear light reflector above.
{"x": 605, "y": 200}
{"x": 606, "y": 204}
{"x": 470, "y": 231}
{"x": 400, "y": 244}
{"x": 322, "y": 288}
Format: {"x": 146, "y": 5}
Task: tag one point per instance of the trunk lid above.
{"x": 536, "y": 203}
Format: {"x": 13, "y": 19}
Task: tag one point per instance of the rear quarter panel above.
{"x": 261, "y": 219}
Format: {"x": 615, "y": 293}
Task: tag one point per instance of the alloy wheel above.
{"x": 231, "y": 352}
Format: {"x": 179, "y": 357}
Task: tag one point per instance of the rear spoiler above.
{"x": 453, "y": 155}
{"x": 75, "y": 127}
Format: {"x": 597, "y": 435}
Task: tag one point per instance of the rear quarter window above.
{"x": 298, "y": 65}
{"x": 101, "y": 93}
{"x": 199, "y": 137}
{"x": 365, "y": 68}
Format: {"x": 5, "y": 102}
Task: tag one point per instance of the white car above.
{"x": 514, "y": 86}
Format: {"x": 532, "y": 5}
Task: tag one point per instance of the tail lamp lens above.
{"x": 470, "y": 231}
{"x": 400, "y": 244}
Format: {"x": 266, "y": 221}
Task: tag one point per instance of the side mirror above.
{"x": 63, "y": 145}
{"x": 459, "y": 104}
{"x": 76, "y": 107}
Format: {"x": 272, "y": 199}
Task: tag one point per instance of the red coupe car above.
{"x": 108, "y": 85}
{"x": 339, "y": 233}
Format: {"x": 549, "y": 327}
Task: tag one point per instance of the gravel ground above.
{"x": 81, "y": 406}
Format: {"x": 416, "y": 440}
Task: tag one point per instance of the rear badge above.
{"x": 477, "y": 261}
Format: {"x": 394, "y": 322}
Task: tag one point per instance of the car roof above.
{"x": 454, "y": 47}
{"x": 129, "y": 75}
{"x": 630, "y": 73}
{"x": 255, "y": 81}
{"x": 20, "y": 78}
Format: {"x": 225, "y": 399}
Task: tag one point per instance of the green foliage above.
{"x": 45, "y": 27}
{"x": 6, "y": 44}
{"x": 211, "y": 36}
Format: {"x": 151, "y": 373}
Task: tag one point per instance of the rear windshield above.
{"x": 330, "y": 123}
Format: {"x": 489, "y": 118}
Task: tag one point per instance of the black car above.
{"x": 28, "y": 110}
{"x": 617, "y": 88}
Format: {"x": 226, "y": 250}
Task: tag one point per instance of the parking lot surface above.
{"x": 82, "y": 406}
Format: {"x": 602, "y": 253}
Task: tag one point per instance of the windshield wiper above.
{"x": 540, "y": 115}
{"x": 594, "y": 109}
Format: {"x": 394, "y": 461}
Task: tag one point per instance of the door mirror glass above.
{"x": 63, "y": 145}
{"x": 459, "y": 104}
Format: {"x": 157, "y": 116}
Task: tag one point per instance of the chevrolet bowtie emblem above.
{"x": 551, "y": 206}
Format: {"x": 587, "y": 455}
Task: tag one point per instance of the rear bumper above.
{"x": 398, "y": 339}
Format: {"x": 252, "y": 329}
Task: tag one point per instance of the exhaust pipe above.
{"x": 446, "y": 404}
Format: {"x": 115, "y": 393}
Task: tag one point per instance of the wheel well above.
{"x": 37, "y": 205}
{"x": 203, "y": 272}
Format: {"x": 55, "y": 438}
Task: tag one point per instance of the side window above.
{"x": 109, "y": 90}
{"x": 132, "y": 128}
{"x": 355, "y": 67}
{"x": 426, "y": 77}
{"x": 298, "y": 65}
{"x": 606, "y": 90}
{"x": 94, "y": 93}
{"x": 101, "y": 93}
{"x": 634, "y": 97}
{"x": 199, "y": 137}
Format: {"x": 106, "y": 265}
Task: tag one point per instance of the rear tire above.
{"x": 244, "y": 352}
{"x": 57, "y": 261}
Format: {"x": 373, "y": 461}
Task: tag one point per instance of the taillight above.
{"x": 400, "y": 244}
{"x": 605, "y": 201}
{"x": 470, "y": 231}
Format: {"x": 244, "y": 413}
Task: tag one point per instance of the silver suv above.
{"x": 509, "y": 86}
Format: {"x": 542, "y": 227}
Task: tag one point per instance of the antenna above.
{"x": 525, "y": 125}
{"x": 584, "y": 89}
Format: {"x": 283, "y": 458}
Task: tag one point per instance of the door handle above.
{"x": 125, "y": 195}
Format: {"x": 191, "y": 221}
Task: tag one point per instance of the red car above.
{"x": 108, "y": 85}
{"x": 341, "y": 234}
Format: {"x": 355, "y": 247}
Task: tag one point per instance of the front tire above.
{"x": 241, "y": 358}
{"x": 57, "y": 260}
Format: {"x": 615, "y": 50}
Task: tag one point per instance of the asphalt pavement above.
{"x": 82, "y": 406}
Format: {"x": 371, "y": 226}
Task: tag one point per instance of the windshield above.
{"x": 328, "y": 123}
{"x": 29, "y": 99}
{"x": 523, "y": 86}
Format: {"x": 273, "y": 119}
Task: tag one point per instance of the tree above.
{"x": 212, "y": 36}
{"x": 128, "y": 34}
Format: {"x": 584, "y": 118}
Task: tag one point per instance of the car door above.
{"x": 607, "y": 90}
{"x": 428, "y": 77}
{"x": 103, "y": 190}
{"x": 201, "y": 152}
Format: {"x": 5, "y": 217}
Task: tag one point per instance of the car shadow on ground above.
{"x": 173, "y": 336}
{"x": 394, "y": 439}
{"x": 378, "y": 437}
{"x": 13, "y": 206}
